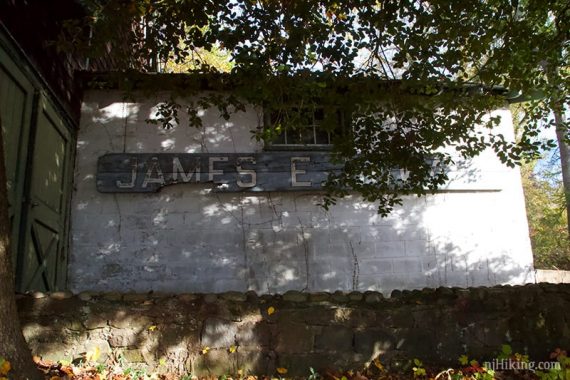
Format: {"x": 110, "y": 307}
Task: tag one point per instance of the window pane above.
{"x": 295, "y": 136}
{"x": 308, "y": 135}
{"x": 322, "y": 136}
{"x": 305, "y": 126}
{"x": 280, "y": 139}
{"x": 319, "y": 114}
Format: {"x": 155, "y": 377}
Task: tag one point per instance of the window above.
{"x": 304, "y": 128}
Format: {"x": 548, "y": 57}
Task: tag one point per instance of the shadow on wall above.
{"x": 188, "y": 239}
{"x": 338, "y": 331}
{"x": 270, "y": 243}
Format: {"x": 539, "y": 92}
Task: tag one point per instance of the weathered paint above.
{"x": 187, "y": 237}
{"x": 273, "y": 171}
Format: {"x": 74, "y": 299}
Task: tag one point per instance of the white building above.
{"x": 187, "y": 238}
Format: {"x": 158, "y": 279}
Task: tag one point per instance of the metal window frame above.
{"x": 271, "y": 146}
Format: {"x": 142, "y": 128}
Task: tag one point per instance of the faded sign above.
{"x": 269, "y": 171}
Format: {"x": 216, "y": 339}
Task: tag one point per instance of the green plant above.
{"x": 135, "y": 373}
{"x": 100, "y": 368}
{"x": 488, "y": 374}
{"x": 314, "y": 375}
{"x": 506, "y": 352}
{"x": 418, "y": 369}
{"x": 561, "y": 372}
{"x": 473, "y": 370}
{"x": 129, "y": 371}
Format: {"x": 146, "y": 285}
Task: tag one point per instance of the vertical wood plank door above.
{"x": 38, "y": 146}
{"x": 45, "y": 255}
{"x": 16, "y": 108}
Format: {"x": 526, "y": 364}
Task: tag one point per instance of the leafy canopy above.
{"x": 546, "y": 207}
{"x": 415, "y": 77}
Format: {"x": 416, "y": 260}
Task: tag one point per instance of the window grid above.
{"x": 317, "y": 137}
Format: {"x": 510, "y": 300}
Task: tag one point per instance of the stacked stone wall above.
{"x": 297, "y": 330}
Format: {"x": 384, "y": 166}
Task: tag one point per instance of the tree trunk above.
{"x": 13, "y": 346}
{"x": 561, "y": 132}
{"x": 564, "y": 160}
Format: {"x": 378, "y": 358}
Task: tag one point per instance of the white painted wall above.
{"x": 187, "y": 239}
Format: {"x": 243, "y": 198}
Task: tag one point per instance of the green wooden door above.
{"x": 38, "y": 147}
{"x": 45, "y": 254}
{"x": 16, "y": 108}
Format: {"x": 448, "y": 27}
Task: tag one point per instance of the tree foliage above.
{"x": 547, "y": 220}
{"x": 546, "y": 210}
{"x": 545, "y": 205}
{"x": 416, "y": 77}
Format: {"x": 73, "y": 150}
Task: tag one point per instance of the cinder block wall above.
{"x": 187, "y": 239}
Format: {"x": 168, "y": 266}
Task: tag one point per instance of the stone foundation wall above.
{"x": 297, "y": 330}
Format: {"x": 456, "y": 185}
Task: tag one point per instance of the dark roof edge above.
{"x": 220, "y": 82}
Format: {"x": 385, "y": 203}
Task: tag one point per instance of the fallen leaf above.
{"x": 232, "y": 349}
{"x": 5, "y": 367}
{"x": 205, "y": 350}
{"x": 93, "y": 355}
{"x": 281, "y": 370}
{"x": 68, "y": 370}
{"x": 378, "y": 364}
{"x": 152, "y": 328}
{"x": 270, "y": 310}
